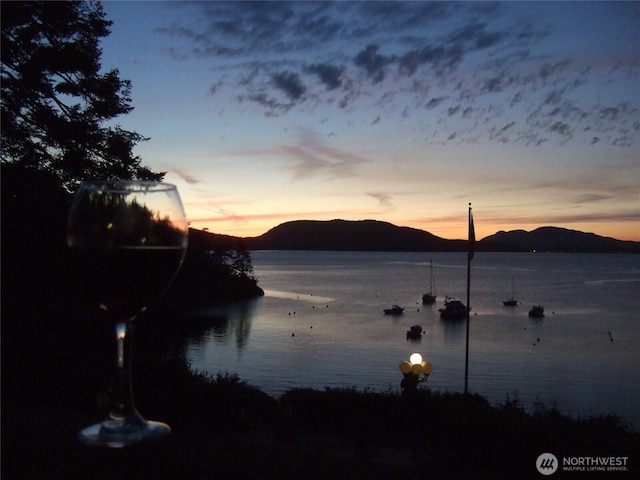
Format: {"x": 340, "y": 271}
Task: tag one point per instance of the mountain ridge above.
{"x": 348, "y": 235}
{"x": 375, "y": 235}
{"x": 558, "y": 239}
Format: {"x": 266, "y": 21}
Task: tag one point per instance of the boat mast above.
{"x": 432, "y": 281}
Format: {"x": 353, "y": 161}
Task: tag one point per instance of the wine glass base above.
{"x": 100, "y": 435}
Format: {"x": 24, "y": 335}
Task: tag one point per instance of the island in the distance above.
{"x": 373, "y": 235}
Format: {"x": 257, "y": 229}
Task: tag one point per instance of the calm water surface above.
{"x": 321, "y": 323}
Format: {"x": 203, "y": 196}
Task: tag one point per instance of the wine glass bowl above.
{"x": 128, "y": 239}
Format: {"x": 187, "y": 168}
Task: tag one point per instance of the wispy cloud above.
{"x": 476, "y": 58}
{"x": 313, "y": 156}
{"x": 187, "y": 177}
{"x": 329, "y": 75}
{"x": 385, "y": 199}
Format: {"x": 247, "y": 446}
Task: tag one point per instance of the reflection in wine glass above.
{"x": 129, "y": 239}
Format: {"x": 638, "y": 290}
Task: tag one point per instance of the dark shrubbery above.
{"x": 199, "y": 402}
{"x": 457, "y": 434}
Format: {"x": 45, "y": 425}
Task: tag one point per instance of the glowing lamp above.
{"x": 415, "y": 371}
{"x": 415, "y": 359}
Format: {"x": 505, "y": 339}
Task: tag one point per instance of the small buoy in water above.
{"x": 311, "y": 326}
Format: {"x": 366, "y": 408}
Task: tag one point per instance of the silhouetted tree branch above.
{"x": 57, "y": 107}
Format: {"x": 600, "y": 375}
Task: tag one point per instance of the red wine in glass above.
{"x": 128, "y": 240}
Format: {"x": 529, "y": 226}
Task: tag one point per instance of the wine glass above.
{"x": 129, "y": 239}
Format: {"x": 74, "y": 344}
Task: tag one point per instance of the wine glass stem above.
{"x": 122, "y": 406}
{"x": 121, "y": 334}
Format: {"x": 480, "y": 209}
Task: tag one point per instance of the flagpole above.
{"x": 470, "y": 252}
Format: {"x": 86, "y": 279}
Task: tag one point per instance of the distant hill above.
{"x": 373, "y": 235}
{"x": 362, "y": 235}
{"x": 554, "y": 239}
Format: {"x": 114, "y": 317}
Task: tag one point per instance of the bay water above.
{"x": 321, "y": 324}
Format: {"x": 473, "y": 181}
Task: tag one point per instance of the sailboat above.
{"x": 430, "y": 297}
{"x": 511, "y": 301}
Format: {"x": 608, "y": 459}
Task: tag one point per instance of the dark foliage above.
{"x": 196, "y": 401}
{"x": 454, "y": 435}
{"x": 56, "y": 105}
{"x": 213, "y": 271}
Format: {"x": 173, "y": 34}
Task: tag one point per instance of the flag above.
{"x": 472, "y": 236}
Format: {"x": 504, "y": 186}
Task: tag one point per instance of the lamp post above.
{"x": 415, "y": 371}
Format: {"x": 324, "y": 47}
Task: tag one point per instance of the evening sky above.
{"x": 404, "y": 112}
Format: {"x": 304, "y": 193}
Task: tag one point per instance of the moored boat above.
{"x": 511, "y": 301}
{"x": 394, "y": 310}
{"x": 414, "y": 332}
{"x": 429, "y": 298}
{"x": 453, "y": 310}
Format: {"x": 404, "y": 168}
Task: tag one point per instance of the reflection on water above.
{"x": 454, "y": 331}
{"x": 305, "y": 297}
{"x": 223, "y": 324}
{"x": 322, "y": 324}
